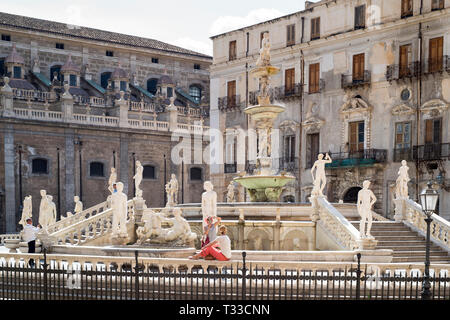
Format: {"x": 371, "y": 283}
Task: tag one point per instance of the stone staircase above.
{"x": 408, "y": 245}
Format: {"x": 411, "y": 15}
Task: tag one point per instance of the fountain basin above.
{"x": 265, "y": 112}
{"x": 264, "y": 71}
{"x": 265, "y": 188}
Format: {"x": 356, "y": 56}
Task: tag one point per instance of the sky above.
{"x": 188, "y": 24}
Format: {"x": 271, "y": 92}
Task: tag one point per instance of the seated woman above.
{"x": 220, "y": 248}
{"x": 209, "y": 232}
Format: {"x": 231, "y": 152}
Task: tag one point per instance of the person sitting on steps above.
{"x": 220, "y": 248}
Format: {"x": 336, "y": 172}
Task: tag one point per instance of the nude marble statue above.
{"x": 366, "y": 200}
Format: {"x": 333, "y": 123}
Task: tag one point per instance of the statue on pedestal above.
{"x": 264, "y": 52}
{"x": 112, "y": 180}
{"x": 52, "y": 209}
{"x": 152, "y": 226}
{"x": 27, "y": 211}
{"x": 209, "y": 202}
{"x": 401, "y": 188}
{"x": 366, "y": 200}
{"x": 320, "y": 180}
{"x": 44, "y": 211}
{"x": 231, "y": 193}
{"x": 120, "y": 212}
{"x": 180, "y": 229}
{"x": 138, "y": 179}
{"x": 172, "y": 191}
{"x": 78, "y": 205}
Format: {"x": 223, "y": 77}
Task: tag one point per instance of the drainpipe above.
{"x": 164, "y": 182}
{"x": 182, "y": 182}
{"x": 58, "y": 213}
{"x": 302, "y": 98}
{"x": 134, "y": 173}
{"x": 81, "y": 171}
{"x": 419, "y": 102}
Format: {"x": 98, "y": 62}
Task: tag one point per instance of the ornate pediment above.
{"x": 289, "y": 127}
{"x": 434, "y": 107}
{"x": 313, "y": 124}
{"x": 402, "y": 109}
{"x": 355, "y": 105}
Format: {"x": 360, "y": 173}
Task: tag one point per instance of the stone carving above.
{"x": 138, "y": 179}
{"x": 112, "y": 180}
{"x": 178, "y": 234}
{"x": 120, "y": 212}
{"x": 52, "y": 211}
{"x": 366, "y": 200}
{"x": 44, "y": 211}
{"x": 78, "y": 205}
{"x": 27, "y": 211}
{"x": 401, "y": 187}
{"x": 264, "y": 53}
{"x": 209, "y": 201}
{"x": 320, "y": 180}
{"x": 231, "y": 193}
{"x": 172, "y": 191}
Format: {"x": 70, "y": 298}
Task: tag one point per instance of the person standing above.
{"x": 29, "y": 236}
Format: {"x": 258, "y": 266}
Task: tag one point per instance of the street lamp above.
{"x": 428, "y": 199}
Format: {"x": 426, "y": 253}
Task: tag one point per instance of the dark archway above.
{"x": 351, "y": 196}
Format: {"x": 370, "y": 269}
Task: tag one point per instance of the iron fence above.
{"x": 134, "y": 281}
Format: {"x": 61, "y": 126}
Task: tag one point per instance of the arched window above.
{"x": 152, "y": 85}
{"x": 104, "y": 78}
{"x": 196, "y": 93}
{"x": 55, "y": 69}
{"x": 149, "y": 172}
{"x": 96, "y": 169}
{"x": 196, "y": 174}
{"x": 39, "y": 166}
{"x": 351, "y": 196}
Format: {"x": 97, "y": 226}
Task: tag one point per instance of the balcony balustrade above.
{"x": 230, "y": 103}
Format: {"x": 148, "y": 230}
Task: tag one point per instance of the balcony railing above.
{"x": 437, "y": 65}
{"x": 229, "y": 103}
{"x": 362, "y": 158}
{"x": 351, "y": 81}
{"x": 284, "y": 92}
{"x": 317, "y": 88}
{"x": 288, "y": 164}
{"x": 397, "y": 72}
{"x": 403, "y": 154}
{"x": 230, "y": 168}
{"x": 432, "y": 152}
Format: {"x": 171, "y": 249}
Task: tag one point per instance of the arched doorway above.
{"x": 351, "y": 196}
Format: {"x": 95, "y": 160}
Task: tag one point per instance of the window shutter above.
{"x": 428, "y": 131}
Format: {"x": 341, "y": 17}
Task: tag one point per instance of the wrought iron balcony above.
{"x": 437, "y": 65}
{"x": 398, "y": 72}
{"x": 351, "y": 81}
{"x": 363, "y": 158}
{"x": 230, "y": 103}
{"x": 230, "y": 168}
{"x": 432, "y": 152}
{"x": 280, "y": 93}
{"x": 403, "y": 154}
{"x": 288, "y": 164}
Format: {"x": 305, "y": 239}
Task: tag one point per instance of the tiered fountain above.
{"x": 266, "y": 184}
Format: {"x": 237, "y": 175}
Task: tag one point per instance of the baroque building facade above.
{"x": 366, "y": 81}
{"x": 76, "y": 102}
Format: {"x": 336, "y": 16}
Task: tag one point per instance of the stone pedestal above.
{"x": 120, "y": 240}
{"x": 139, "y": 207}
{"x": 400, "y": 208}
{"x": 67, "y": 105}
{"x": 123, "y": 110}
{"x": 46, "y": 240}
{"x": 367, "y": 244}
{"x": 12, "y": 245}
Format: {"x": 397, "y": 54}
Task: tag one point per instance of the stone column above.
{"x": 314, "y": 218}
{"x": 69, "y": 164}
{"x": 276, "y": 233}
{"x": 123, "y": 110}
{"x": 7, "y": 99}
{"x": 10, "y": 183}
{"x": 67, "y": 104}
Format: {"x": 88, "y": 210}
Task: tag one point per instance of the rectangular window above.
{"x": 231, "y": 93}
{"x": 437, "y": 4}
{"x": 289, "y": 149}
{"x": 436, "y": 54}
{"x": 109, "y": 53}
{"x": 314, "y": 77}
{"x": 2, "y": 67}
{"x": 403, "y": 135}
{"x": 290, "y": 35}
{"x": 6, "y": 37}
{"x": 312, "y": 149}
{"x": 358, "y": 67}
{"x": 360, "y": 17}
{"x": 405, "y": 60}
{"x": 433, "y": 131}
{"x": 315, "y": 28}
{"x": 60, "y": 46}
{"x": 289, "y": 78}
{"x": 73, "y": 80}
{"x": 356, "y": 136}
{"x": 155, "y": 60}
{"x": 197, "y": 67}
{"x": 17, "y": 72}
{"x": 123, "y": 86}
{"x": 407, "y": 8}
{"x": 232, "y": 50}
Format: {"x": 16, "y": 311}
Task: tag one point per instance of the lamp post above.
{"x": 428, "y": 200}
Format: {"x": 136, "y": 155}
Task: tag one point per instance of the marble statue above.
{"x": 172, "y": 191}
{"x": 366, "y": 200}
{"x": 52, "y": 211}
{"x": 112, "y": 180}
{"x": 320, "y": 180}
{"x": 264, "y": 144}
{"x": 27, "y": 211}
{"x": 170, "y": 202}
{"x": 44, "y": 210}
{"x": 78, "y": 205}
{"x": 401, "y": 189}
{"x": 209, "y": 201}
{"x": 152, "y": 226}
{"x": 231, "y": 193}
{"x": 120, "y": 212}
{"x": 180, "y": 230}
{"x": 264, "y": 53}
{"x": 138, "y": 179}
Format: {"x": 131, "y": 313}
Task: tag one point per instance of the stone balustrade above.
{"x": 337, "y": 225}
{"x": 142, "y": 106}
{"x": 12, "y": 236}
{"x": 23, "y": 94}
{"x": 415, "y": 218}
{"x": 89, "y": 229}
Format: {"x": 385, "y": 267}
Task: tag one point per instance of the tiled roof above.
{"x": 186, "y": 95}
{"x": 58, "y": 28}
{"x": 70, "y": 66}
{"x": 143, "y": 91}
{"x": 21, "y": 84}
{"x": 41, "y": 77}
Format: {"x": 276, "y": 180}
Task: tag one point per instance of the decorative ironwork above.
{"x": 432, "y": 152}
{"x": 350, "y": 81}
{"x": 230, "y": 168}
{"x": 403, "y": 154}
{"x": 398, "y": 72}
{"x": 230, "y": 103}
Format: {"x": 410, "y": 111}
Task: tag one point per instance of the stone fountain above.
{"x": 266, "y": 184}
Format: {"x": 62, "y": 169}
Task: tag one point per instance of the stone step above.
{"x": 419, "y": 254}
{"x": 403, "y": 243}
{"x": 392, "y": 229}
{"x": 408, "y": 248}
{"x": 396, "y": 234}
{"x": 436, "y": 260}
